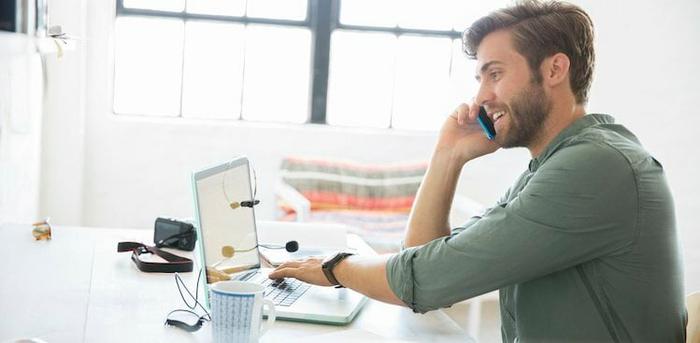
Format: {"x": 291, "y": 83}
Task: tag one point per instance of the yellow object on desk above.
{"x": 42, "y": 230}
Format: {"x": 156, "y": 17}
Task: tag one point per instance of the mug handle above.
{"x": 270, "y": 316}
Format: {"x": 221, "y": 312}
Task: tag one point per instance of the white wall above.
{"x": 646, "y": 76}
{"x": 20, "y": 128}
{"x": 64, "y": 120}
{"x": 136, "y": 168}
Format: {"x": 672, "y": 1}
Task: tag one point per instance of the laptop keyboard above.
{"x": 283, "y": 292}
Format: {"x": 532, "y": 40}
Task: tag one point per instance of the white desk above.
{"x": 77, "y": 288}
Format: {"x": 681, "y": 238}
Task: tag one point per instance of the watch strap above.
{"x": 330, "y": 264}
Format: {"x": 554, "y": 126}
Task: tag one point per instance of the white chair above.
{"x": 463, "y": 208}
{"x": 475, "y": 312}
{"x": 374, "y": 200}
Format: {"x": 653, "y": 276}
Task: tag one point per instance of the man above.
{"x": 583, "y": 246}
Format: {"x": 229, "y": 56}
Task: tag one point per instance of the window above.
{"x": 366, "y": 63}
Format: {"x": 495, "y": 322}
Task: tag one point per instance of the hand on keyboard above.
{"x": 308, "y": 270}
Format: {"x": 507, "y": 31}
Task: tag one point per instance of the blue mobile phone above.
{"x": 486, "y": 123}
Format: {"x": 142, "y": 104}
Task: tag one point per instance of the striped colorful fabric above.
{"x": 340, "y": 185}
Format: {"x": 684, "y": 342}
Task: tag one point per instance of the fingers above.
{"x": 293, "y": 264}
{"x": 473, "y": 111}
{"x": 296, "y": 269}
{"x": 466, "y": 113}
{"x": 462, "y": 112}
{"x": 285, "y": 269}
{"x": 283, "y": 272}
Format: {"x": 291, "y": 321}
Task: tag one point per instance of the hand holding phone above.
{"x": 461, "y": 134}
{"x": 486, "y": 123}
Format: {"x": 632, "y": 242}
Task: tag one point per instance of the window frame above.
{"x": 322, "y": 18}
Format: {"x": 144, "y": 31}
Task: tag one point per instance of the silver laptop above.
{"x": 223, "y": 228}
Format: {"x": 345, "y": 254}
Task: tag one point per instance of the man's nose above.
{"x": 485, "y": 94}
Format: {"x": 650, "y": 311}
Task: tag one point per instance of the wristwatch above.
{"x": 330, "y": 263}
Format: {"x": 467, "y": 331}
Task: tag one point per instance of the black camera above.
{"x": 171, "y": 233}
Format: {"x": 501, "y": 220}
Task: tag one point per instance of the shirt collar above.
{"x": 573, "y": 129}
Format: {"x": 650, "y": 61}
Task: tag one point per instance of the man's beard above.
{"x": 528, "y": 111}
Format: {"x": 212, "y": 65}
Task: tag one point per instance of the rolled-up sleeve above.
{"x": 572, "y": 210}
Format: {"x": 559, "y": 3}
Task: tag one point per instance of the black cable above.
{"x": 195, "y": 297}
{"x": 200, "y": 319}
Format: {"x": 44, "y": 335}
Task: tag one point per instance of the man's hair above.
{"x": 540, "y": 30}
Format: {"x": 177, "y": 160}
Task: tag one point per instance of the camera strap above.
{"x": 175, "y": 263}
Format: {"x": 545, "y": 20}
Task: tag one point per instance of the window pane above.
{"x": 147, "y": 66}
{"x": 429, "y": 15}
{"x": 463, "y": 86}
{"x": 213, "y": 70}
{"x": 361, "y": 79}
{"x": 276, "y": 75}
{"x": 421, "y": 86}
{"x": 234, "y": 8}
{"x": 369, "y": 12}
{"x": 161, "y": 5}
{"x": 277, "y": 9}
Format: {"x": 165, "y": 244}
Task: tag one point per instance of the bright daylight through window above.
{"x": 364, "y": 63}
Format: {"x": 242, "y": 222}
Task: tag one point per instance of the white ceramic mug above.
{"x": 236, "y": 310}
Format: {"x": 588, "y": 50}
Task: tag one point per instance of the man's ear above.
{"x": 555, "y": 69}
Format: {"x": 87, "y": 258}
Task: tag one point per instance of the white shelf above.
{"x": 12, "y": 44}
{"x": 47, "y": 46}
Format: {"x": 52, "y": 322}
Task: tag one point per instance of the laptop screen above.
{"x": 226, "y": 231}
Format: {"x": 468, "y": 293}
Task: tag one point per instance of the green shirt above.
{"x": 583, "y": 247}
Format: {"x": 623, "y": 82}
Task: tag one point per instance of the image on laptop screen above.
{"x": 228, "y": 232}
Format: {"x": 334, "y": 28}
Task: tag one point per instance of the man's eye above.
{"x": 495, "y": 75}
